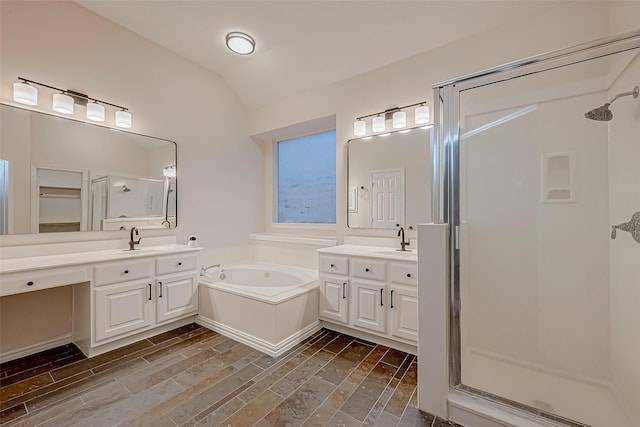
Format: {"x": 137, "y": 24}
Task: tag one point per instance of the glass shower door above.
{"x": 549, "y": 303}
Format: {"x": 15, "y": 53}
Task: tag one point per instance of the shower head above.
{"x": 603, "y": 114}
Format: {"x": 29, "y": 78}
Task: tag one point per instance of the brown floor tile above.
{"x": 403, "y": 392}
{"x": 301, "y": 404}
{"x": 320, "y": 343}
{"x": 181, "y": 345}
{"x": 379, "y": 406}
{"x": 367, "y": 394}
{"x": 343, "y": 420}
{"x": 12, "y": 413}
{"x": 413, "y": 417}
{"x": 254, "y": 410}
{"x": 41, "y": 367}
{"x": 215, "y": 418}
{"x": 36, "y": 418}
{"x": 344, "y": 362}
{"x": 301, "y": 373}
{"x": 405, "y": 365}
{"x": 331, "y": 405}
{"x": 363, "y": 369}
{"x": 394, "y": 357}
{"x": 338, "y": 344}
{"x": 25, "y": 386}
{"x": 204, "y": 401}
{"x": 270, "y": 377}
{"x": 386, "y": 420}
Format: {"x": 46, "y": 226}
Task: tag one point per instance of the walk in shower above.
{"x": 537, "y": 170}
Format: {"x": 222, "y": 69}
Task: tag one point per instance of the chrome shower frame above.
{"x": 445, "y": 151}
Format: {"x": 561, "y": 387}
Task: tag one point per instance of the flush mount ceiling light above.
{"x": 240, "y": 43}
{"x": 64, "y": 102}
{"x": 397, "y": 116}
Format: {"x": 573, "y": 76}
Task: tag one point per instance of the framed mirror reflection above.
{"x": 61, "y": 175}
{"x": 388, "y": 179}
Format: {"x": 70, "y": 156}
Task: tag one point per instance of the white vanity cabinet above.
{"x": 163, "y": 289}
{"x": 118, "y": 296}
{"x": 373, "y": 293}
{"x": 176, "y": 287}
{"x": 334, "y": 289}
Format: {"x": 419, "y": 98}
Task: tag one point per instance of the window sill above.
{"x": 302, "y": 240}
{"x": 299, "y": 226}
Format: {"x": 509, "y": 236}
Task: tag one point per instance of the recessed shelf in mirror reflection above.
{"x": 389, "y": 179}
{"x": 34, "y": 141}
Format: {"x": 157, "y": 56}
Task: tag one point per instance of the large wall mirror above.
{"x": 60, "y": 175}
{"x": 388, "y": 177}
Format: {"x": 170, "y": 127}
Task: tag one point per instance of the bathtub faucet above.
{"x": 203, "y": 269}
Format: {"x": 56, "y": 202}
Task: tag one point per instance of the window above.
{"x": 307, "y": 179}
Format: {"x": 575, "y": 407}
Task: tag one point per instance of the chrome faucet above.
{"x": 203, "y": 269}
{"x": 133, "y": 243}
{"x": 402, "y": 242}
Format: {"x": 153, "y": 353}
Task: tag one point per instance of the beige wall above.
{"x": 64, "y": 45}
{"x": 410, "y": 81}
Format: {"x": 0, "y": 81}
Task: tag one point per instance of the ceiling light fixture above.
{"x": 240, "y": 43}
{"x": 397, "y": 115}
{"x": 64, "y": 102}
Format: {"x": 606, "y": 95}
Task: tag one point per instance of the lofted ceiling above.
{"x": 303, "y": 44}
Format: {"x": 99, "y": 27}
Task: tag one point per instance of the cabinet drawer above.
{"x": 369, "y": 269}
{"x": 121, "y": 271}
{"x": 176, "y": 263}
{"x": 16, "y": 283}
{"x": 334, "y": 264}
{"x": 404, "y": 273}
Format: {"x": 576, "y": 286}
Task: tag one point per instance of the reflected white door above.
{"x": 387, "y": 198}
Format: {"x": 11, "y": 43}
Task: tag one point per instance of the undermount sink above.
{"x": 398, "y": 253}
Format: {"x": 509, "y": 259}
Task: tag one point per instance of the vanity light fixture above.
{"x": 421, "y": 115}
{"x": 24, "y": 93}
{"x": 398, "y": 117}
{"x": 378, "y": 124}
{"x": 240, "y": 43}
{"x": 63, "y": 102}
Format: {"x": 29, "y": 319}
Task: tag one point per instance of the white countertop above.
{"x": 48, "y": 261}
{"x": 372, "y": 252}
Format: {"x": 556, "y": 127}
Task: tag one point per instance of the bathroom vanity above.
{"x": 372, "y": 290}
{"x": 119, "y": 296}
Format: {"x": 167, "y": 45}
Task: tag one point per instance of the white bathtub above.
{"x": 268, "y": 307}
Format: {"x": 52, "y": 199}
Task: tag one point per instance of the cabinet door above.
{"x": 121, "y": 309}
{"x": 369, "y": 306}
{"x": 176, "y": 297}
{"x": 334, "y": 299}
{"x": 403, "y": 312}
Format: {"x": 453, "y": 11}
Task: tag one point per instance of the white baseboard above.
{"x": 398, "y": 345}
{"x": 36, "y": 348}
{"x": 259, "y": 344}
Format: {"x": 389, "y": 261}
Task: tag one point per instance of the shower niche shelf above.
{"x": 559, "y": 177}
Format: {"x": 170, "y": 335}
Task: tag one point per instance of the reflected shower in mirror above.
{"x": 388, "y": 178}
{"x": 59, "y": 174}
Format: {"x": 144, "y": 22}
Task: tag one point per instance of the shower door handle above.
{"x": 632, "y": 227}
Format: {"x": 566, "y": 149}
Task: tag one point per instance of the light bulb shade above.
{"x": 123, "y": 119}
{"x": 240, "y": 43}
{"x": 359, "y": 128}
{"x": 95, "y": 112}
{"x": 62, "y": 103}
{"x": 25, "y": 94}
{"x": 378, "y": 124}
{"x": 422, "y": 115}
{"x": 399, "y": 119}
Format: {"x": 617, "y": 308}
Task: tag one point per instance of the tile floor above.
{"x": 194, "y": 376}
